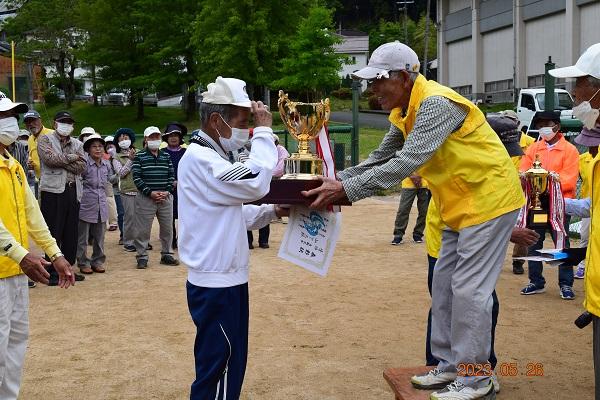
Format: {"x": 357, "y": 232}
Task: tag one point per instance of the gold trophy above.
{"x": 304, "y": 121}
{"x": 538, "y": 181}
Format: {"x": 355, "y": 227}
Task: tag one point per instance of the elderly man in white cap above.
{"x": 153, "y": 176}
{"x": 20, "y": 219}
{"x": 587, "y": 109}
{"x": 446, "y": 139}
{"x": 213, "y": 220}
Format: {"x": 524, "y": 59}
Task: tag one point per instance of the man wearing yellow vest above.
{"x": 20, "y": 217}
{"x": 446, "y": 140}
{"x": 33, "y": 123}
{"x": 587, "y": 109}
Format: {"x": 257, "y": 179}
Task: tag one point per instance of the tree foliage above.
{"x": 55, "y": 39}
{"x": 312, "y": 65}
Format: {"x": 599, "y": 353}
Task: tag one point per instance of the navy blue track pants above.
{"x": 221, "y": 346}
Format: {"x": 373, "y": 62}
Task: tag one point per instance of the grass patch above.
{"x": 346, "y": 104}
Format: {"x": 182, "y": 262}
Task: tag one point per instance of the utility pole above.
{"x": 426, "y": 38}
{"x": 405, "y": 4}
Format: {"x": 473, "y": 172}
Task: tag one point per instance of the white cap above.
{"x": 88, "y": 130}
{"x": 7, "y": 104}
{"x": 24, "y": 132}
{"x": 227, "y": 91}
{"x": 393, "y": 56}
{"x": 588, "y": 64}
{"x": 109, "y": 139}
{"x": 150, "y": 130}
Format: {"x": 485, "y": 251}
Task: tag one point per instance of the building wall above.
{"x": 488, "y": 43}
{"x": 459, "y": 71}
{"x": 360, "y": 61}
{"x": 590, "y": 25}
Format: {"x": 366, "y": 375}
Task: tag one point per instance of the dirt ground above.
{"x": 127, "y": 334}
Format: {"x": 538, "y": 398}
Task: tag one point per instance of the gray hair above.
{"x": 593, "y": 81}
{"x": 206, "y": 109}
{"x": 411, "y": 75}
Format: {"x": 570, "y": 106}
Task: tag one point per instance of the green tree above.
{"x": 48, "y": 32}
{"x": 389, "y": 31}
{"x": 245, "y": 38}
{"x": 313, "y": 64}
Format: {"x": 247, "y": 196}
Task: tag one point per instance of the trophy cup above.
{"x": 304, "y": 121}
{"x": 537, "y": 179}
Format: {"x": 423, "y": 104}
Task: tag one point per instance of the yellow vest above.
{"x": 433, "y": 231}
{"x": 407, "y": 183}
{"x": 471, "y": 177}
{"x": 524, "y": 143}
{"x": 592, "y": 262}
{"x": 13, "y": 183}
{"x": 585, "y": 162}
{"x": 33, "y": 152}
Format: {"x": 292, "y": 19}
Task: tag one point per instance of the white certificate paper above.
{"x": 310, "y": 238}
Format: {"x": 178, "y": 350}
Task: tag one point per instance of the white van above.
{"x": 532, "y": 100}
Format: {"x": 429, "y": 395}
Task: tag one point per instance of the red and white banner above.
{"x": 325, "y": 153}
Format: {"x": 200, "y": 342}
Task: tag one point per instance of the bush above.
{"x": 343, "y": 93}
{"x": 374, "y": 103}
{"x": 51, "y": 96}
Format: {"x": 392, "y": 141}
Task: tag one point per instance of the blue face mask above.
{"x": 238, "y": 138}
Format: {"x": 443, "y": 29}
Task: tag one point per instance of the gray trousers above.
{"x": 464, "y": 278}
{"x": 407, "y": 197}
{"x": 145, "y": 211}
{"x": 128, "y": 218}
{"x": 96, "y": 231}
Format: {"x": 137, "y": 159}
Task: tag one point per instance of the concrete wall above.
{"x": 460, "y": 70}
{"x": 551, "y": 29}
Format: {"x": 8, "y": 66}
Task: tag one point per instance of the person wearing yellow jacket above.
{"x": 445, "y": 138}
{"x": 33, "y": 123}
{"x": 587, "y": 109}
{"x": 20, "y": 218}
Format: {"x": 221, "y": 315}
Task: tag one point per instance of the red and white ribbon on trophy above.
{"x": 325, "y": 153}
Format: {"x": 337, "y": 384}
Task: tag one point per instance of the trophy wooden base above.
{"x": 537, "y": 219}
{"x": 399, "y": 381}
{"x": 287, "y": 191}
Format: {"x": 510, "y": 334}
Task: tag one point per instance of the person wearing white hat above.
{"x": 153, "y": 176}
{"x": 33, "y": 123}
{"x": 93, "y": 210}
{"x": 473, "y": 182}
{"x": 213, "y": 221}
{"x": 586, "y": 92}
{"x": 20, "y": 220}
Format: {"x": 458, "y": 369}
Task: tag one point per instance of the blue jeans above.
{"x": 565, "y": 274}
{"x": 120, "y": 213}
{"x": 430, "y": 360}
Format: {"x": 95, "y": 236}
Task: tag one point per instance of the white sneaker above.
{"x": 434, "y": 379}
{"x": 495, "y": 382}
{"x": 458, "y": 391}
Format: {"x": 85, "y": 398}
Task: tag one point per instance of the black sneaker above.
{"x": 418, "y": 239}
{"x": 79, "y": 277}
{"x": 149, "y": 247}
{"x": 250, "y": 246}
{"x": 31, "y": 284}
{"x": 53, "y": 280}
{"x": 168, "y": 259}
{"x": 396, "y": 241}
{"x": 518, "y": 268}
{"x": 142, "y": 263}
{"x": 129, "y": 247}
{"x": 263, "y": 245}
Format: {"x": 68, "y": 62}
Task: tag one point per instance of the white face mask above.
{"x": 153, "y": 144}
{"x": 9, "y": 130}
{"x": 547, "y": 133}
{"x": 586, "y": 114}
{"x": 23, "y": 142}
{"x": 64, "y": 129}
{"x": 125, "y": 144}
{"x": 112, "y": 151}
{"x": 238, "y": 138}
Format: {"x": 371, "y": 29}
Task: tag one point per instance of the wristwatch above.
{"x": 54, "y": 257}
